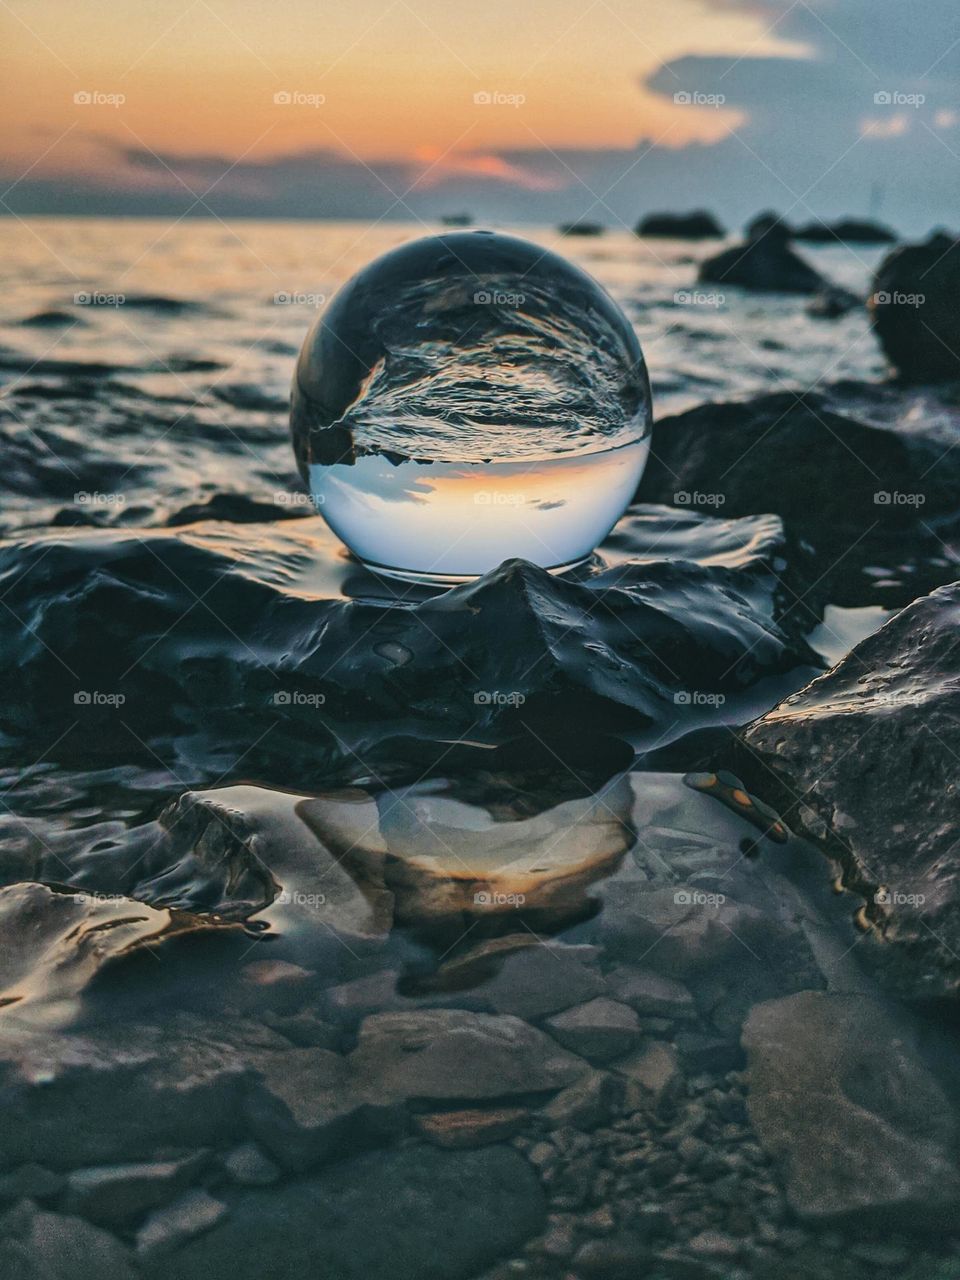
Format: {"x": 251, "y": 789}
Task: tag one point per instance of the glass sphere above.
{"x": 468, "y": 398}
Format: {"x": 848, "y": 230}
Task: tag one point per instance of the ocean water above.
{"x": 361, "y": 917}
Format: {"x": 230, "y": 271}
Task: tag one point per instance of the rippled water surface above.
{"x": 360, "y": 930}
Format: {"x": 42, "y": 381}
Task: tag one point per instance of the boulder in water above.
{"x": 698, "y": 225}
{"x": 914, "y": 308}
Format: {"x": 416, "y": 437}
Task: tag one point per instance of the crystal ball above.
{"x": 466, "y": 399}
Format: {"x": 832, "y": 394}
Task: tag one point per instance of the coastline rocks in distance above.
{"x": 845, "y": 231}
{"x": 769, "y": 222}
{"x": 863, "y": 496}
{"x": 697, "y": 225}
{"x": 764, "y": 263}
{"x": 866, "y": 760}
{"x": 583, "y": 228}
{"x": 913, "y": 304}
{"x": 842, "y": 1101}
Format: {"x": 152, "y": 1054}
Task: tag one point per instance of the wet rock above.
{"x": 765, "y": 264}
{"x": 453, "y": 1054}
{"x": 845, "y": 231}
{"x": 832, "y": 302}
{"x": 297, "y": 684}
{"x": 439, "y": 1215}
{"x": 841, "y": 1099}
{"x": 772, "y": 453}
{"x": 651, "y": 993}
{"x": 112, "y": 1195}
{"x": 238, "y": 508}
{"x": 598, "y": 1030}
{"x": 305, "y": 1107}
{"x": 653, "y": 1076}
{"x": 589, "y": 1102}
{"x": 169, "y": 1229}
{"x": 248, "y": 1166}
{"x": 457, "y": 1130}
{"x": 61, "y": 1247}
{"x": 619, "y": 1257}
{"x": 698, "y": 225}
{"x": 864, "y": 760}
{"x": 913, "y": 305}
{"x": 163, "y": 1089}
{"x": 53, "y": 944}
{"x": 31, "y": 1182}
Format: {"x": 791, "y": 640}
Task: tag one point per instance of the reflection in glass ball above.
{"x": 469, "y": 398}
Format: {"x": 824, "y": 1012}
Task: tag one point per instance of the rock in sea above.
{"x": 698, "y": 225}
{"x": 914, "y": 307}
{"x": 764, "y": 263}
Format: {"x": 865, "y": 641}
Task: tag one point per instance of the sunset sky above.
{"x": 583, "y": 116}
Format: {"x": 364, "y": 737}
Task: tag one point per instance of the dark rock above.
{"x": 840, "y": 1097}
{"x": 60, "y": 1247}
{"x": 764, "y": 264}
{"x": 913, "y": 305}
{"x": 238, "y": 508}
{"x": 832, "y": 302}
{"x": 768, "y": 223}
{"x": 581, "y": 228}
{"x": 541, "y": 979}
{"x": 653, "y": 1076}
{"x": 416, "y": 1214}
{"x": 619, "y": 1257}
{"x": 599, "y": 1030}
{"x": 169, "y": 1229}
{"x": 295, "y": 684}
{"x": 452, "y": 1054}
{"x": 651, "y": 993}
{"x": 249, "y": 1166}
{"x": 845, "y": 231}
{"x": 863, "y": 761}
{"x": 698, "y": 225}
{"x": 31, "y": 1182}
{"x": 776, "y": 453}
{"x": 586, "y": 1103}
{"x": 112, "y": 1195}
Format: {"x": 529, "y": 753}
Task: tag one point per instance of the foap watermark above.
{"x": 491, "y": 898}
{"x": 497, "y": 298}
{"x": 84, "y": 498}
{"x": 85, "y": 899}
{"x": 297, "y": 698}
{"x": 694, "y": 98}
{"x": 897, "y": 299}
{"x": 894, "y": 98}
{"x": 694, "y": 498}
{"x": 295, "y": 498}
{"x": 298, "y": 98}
{"x": 887, "y": 897}
{"x": 497, "y": 98}
{"x": 894, "y": 498}
{"x": 697, "y": 298}
{"x": 498, "y": 498}
{"x": 697, "y": 898}
{"x": 98, "y": 298}
{"x": 698, "y": 698}
{"x": 98, "y": 698}
{"x": 294, "y": 298}
{"x": 497, "y": 698}
{"x": 299, "y": 898}
{"x": 97, "y": 98}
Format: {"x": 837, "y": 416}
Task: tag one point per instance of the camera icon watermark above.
{"x": 887, "y": 897}
{"x": 694, "y": 98}
{"x": 696, "y": 298}
{"x": 894, "y": 498}
{"x": 698, "y": 698}
{"x": 295, "y": 298}
{"x": 495, "y": 698}
{"x": 98, "y": 298}
{"x": 496, "y": 98}
{"x": 894, "y": 98}
{"x": 298, "y": 98}
{"x": 696, "y": 898}
{"x": 491, "y": 898}
{"x": 96, "y": 98}
{"x": 98, "y": 698}
{"x": 297, "y": 698}
{"x": 694, "y": 498}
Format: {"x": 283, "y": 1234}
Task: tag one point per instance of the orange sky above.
{"x": 398, "y": 79}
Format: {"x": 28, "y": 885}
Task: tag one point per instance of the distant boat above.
{"x": 457, "y": 220}
{"x": 581, "y": 229}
